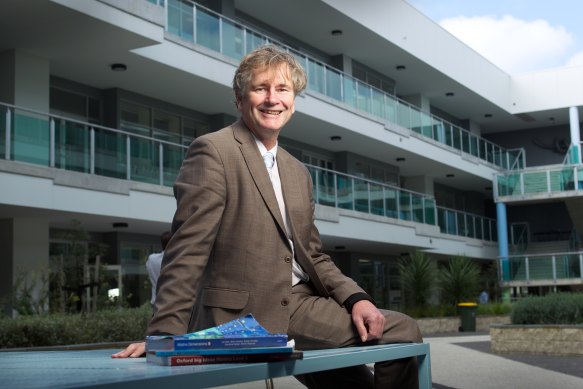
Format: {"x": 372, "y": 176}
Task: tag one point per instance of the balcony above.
{"x": 193, "y": 24}
{"x": 53, "y": 141}
{"x": 542, "y": 269}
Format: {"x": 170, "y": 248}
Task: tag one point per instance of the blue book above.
{"x": 225, "y": 351}
{"x": 244, "y": 332}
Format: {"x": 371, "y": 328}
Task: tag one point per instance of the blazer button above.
{"x": 287, "y": 259}
{"x": 285, "y": 302}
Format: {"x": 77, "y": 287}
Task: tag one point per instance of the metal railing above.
{"x": 542, "y": 267}
{"x": 198, "y": 25}
{"x": 350, "y": 192}
{"x": 58, "y": 142}
{"x": 546, "y": 180}
{"x": 54, "y": 141}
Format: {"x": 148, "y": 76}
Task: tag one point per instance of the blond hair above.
{"x": 268, "y": 57}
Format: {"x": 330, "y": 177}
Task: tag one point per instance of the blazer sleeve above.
{"x": 326, "y": 276}
{"x": 200, "y": 193}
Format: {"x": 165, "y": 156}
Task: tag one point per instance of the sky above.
{"x": 519, "y": 36}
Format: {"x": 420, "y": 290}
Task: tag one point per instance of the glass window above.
{"x": 135, "y": 118}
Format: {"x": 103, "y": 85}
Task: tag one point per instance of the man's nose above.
{"x": 270, "y": 96}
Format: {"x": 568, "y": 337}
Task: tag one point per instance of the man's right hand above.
{"x": 134, "y": 350}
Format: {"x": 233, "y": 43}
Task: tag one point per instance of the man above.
{"x": 154, "y": 263}
{"x": 244, "y": 240}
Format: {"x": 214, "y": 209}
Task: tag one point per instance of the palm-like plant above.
{"x": 417, "y": 276}
{"x": 459, "y": 280}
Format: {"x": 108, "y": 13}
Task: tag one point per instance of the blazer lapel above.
{"x": 257, "y": 170}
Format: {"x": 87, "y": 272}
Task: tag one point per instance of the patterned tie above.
{"x": 269, "y": 160}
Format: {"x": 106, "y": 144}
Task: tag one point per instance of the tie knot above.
{"x": 269, "y": 160}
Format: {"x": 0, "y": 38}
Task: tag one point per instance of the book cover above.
{"x": 186, "y": 360}
{"x": 225, "y": 351}
{"x": 244, "y": 332}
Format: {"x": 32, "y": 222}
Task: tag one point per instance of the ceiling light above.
{"x": 488, "y": 115}
{"x": 336, "y": 32}
{"x": 120, "y": 225}
{"x": 450, "y": 94}
{"x": 450, "y": 175}
{"x": 335, "y": 138}
{"x": 118, "y": 67}
{"x": 400, "y": 67}
{"x": 400, "y": 159}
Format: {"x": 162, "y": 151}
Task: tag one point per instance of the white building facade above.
{"x": 414, "y": 141}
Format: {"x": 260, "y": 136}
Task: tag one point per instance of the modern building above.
{"x": 414, "y": 140}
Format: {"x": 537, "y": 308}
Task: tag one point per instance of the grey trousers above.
{"x": 318, "y": 322}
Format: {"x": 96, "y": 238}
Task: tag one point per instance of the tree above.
{"x": 417, "y": 277}
{"x": 459, "y": 280}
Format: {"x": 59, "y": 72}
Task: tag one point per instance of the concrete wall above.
{"x": 537, "y": 339}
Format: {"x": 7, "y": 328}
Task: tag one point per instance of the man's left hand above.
{"x": 368, "y": 320}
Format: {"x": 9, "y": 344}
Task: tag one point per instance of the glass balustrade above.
{"x": 62, "y": 143}
{"x": 544, "y": 267}
{"x": 548, "y": 180}
{"x": 53, "y": 141}
{"x": 196, "y": 24}
{"x": 466, "y": 224}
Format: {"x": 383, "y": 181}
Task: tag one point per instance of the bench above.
{"x": 95, "y": 368}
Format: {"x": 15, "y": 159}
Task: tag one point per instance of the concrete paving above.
{"x": 463, "y": 361}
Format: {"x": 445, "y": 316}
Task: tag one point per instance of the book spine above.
{"x": 186, "y": 360}
{"x": 187, "y": 344}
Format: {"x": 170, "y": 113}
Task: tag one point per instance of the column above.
{"x": 24, "y": 260}
{"x": 502, "y": 226}
{"x": 575, "y": 135}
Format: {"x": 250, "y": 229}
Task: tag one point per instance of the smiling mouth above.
{"x": 276, "y": 113}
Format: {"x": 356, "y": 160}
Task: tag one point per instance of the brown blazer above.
{"x": 229, "y": 255}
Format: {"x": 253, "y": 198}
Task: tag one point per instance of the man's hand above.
{"x": 134, "y": 350}
{"x": 368, "y": 320}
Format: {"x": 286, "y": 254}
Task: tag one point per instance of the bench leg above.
{"x": 269, "y": 384}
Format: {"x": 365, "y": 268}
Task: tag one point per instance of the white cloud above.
{"x": 515, "y": 45}
{"x": 576, "y": 60}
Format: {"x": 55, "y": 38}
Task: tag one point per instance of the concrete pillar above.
{"x": 419, "y": 101}
{"x": 342, "y": 62}
{"x": 24, "y": 80}
{"x": 420, "y": 184}
{"x": 24, "y": 259}
{"x": 575, "y": 133}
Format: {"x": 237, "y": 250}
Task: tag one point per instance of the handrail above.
{"x": 572, "y": 155}
{"x": 233, "y": 39}
{"x": 55, "y": 141}
{"x": 549, "y": 266}
{"x": 550, "y": 179}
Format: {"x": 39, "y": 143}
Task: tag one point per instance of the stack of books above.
{"x": 242, "y": 340}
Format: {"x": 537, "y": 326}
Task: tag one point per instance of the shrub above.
{"x": 494, "y": 309}
{"x": 459, "y": 280}
{"x": 431, "y": 311}
{"x": 114, "y": 325}
{"x": 556, "y": 308}
{"x": 417, "y": 278}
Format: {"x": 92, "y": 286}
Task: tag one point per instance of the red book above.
{"x": 186, "y": 360}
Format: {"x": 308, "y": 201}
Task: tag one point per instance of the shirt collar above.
{"x": 263, "y": 149}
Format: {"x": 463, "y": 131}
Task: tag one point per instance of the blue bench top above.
{"x": 95, "y": 368}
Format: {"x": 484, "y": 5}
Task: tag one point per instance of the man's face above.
{"x": 268, "y": 104}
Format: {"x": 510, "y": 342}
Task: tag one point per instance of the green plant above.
{"x": 459, "y": 280}
{"x": 494, "y": 309}
{"x": 417, "y": 276}
{"x": 112, "y": 325}
{"x": 555, "y": 308}
{"x": 431, "y": 311}
{"x": 30, "y": 294}
{"x": 77, "y": 281}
